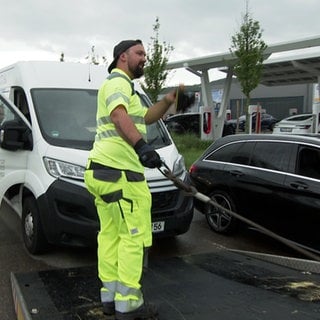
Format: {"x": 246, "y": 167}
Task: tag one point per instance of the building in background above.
{"x": 279, "y": 101}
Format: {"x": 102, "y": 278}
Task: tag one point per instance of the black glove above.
{"x": 147, "y": 156}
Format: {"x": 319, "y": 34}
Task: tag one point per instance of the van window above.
{"x": 6, "y": 114}
{"x": 156, "y": 133}
{"x": 67, "y": 117}
{"x": 20, "y": 100}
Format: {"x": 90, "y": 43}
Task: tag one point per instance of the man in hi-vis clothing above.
{"x": 115, "y": 176}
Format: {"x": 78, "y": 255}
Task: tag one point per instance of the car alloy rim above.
{"x": 29, "y": 226}
{"x": 220, "y": 220}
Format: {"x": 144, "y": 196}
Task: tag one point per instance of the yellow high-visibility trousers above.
{"x": 123, "y": 202}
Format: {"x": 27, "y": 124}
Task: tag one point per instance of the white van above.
{"x": 45, "y": 136}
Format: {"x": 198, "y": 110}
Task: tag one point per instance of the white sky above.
{"x": 42, "y": 29}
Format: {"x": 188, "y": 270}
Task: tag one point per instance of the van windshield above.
{"x": 67, "y": 118}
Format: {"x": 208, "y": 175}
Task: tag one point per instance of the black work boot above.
{"x": 108, "y": 308}
{"x": 145, "y": 312}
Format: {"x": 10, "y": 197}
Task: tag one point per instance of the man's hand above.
{"x": 147, "y": 155}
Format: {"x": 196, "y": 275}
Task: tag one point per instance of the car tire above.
{"x": 32, "y": 231}
{"x": 221, "y": 222}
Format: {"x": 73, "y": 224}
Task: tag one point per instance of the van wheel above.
{"x": 218, "y": 220}
{"x": 32, "y": 231}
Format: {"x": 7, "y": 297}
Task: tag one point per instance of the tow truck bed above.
{"x": 220, "y": 285}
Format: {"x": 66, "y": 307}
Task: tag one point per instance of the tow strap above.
{"x": 192, "y": 191}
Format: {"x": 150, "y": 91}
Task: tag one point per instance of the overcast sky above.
{"x": 42, "y": 29}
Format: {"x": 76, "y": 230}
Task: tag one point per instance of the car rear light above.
{"x": 192, "y": 169}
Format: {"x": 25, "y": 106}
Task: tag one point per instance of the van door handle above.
{"x": 299, "y": 185}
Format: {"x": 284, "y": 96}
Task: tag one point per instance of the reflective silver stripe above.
{"x": 137, "y": 119}
{"x": 129, "y": 305}
{"x": 120, "y": 75}
{"x": 107, "y": 120}
{"x": 103, "y": 120}
{"x": 116, "y": 96}
{"x": 125, "y": 291}
{"x": 112, "y": 133}
{"x": 107, "y": 134}
{"x": 107, "y": 293}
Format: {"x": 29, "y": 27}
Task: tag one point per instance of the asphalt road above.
{"x": 199, "y": 239}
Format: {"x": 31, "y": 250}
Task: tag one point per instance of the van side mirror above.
{"x": 15, "y": 135}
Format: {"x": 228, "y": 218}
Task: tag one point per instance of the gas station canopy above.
{"x": 293, "y": 62}
{"x": 291, "y": 68}
{"x": 295, "y": 70}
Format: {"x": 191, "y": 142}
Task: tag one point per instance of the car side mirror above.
{"x": 15, "y": 135}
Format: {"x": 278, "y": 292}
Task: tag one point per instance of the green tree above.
{"x": 248, "y": 47}
{"x": 155, "y": 73}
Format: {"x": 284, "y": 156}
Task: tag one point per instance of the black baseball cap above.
{"x": 120, "y": 48}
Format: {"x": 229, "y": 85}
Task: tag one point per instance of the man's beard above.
{"x": 137, "y": 72}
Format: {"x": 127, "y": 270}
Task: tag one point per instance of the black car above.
{"x": 190, "y": 123}
{"x": 267, "y": 122}
{"x": 273, "y": 180}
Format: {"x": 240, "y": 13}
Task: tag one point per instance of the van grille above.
{"x": 164, "y": 201}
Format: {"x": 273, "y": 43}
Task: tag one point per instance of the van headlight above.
{"x": 58, "y": 169}
{"x": 179, "y": 166}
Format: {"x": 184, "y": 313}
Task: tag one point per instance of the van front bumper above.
{"x": 69, "y": 216}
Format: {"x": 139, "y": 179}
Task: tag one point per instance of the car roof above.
{"x": 297, "y": 116}
{"x": 304, "y": 138}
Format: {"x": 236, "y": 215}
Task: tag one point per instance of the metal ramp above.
{"x": 224, "y": 285}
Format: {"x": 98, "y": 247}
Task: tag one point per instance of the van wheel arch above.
{"x": 32, "y": 231}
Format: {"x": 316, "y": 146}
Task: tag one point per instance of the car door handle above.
{"x": 236, "y": 173}
{"x": 299, "y": 185}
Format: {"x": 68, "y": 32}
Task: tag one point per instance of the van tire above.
{"x": 32, "y": 231}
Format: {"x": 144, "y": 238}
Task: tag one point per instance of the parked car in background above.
{"x": 190, "y": 123}
{"x": 240, "y": 121}
{"x": 296, "y": 124}
{"x": 267, "y": 122}
{"x": 273, "y": 180}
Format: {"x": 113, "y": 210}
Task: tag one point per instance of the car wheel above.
{"x": 32, "y": 231}
{"x": 218, "y": 220}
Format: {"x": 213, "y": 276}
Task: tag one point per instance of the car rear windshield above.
{"x": 67, "y": 117}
